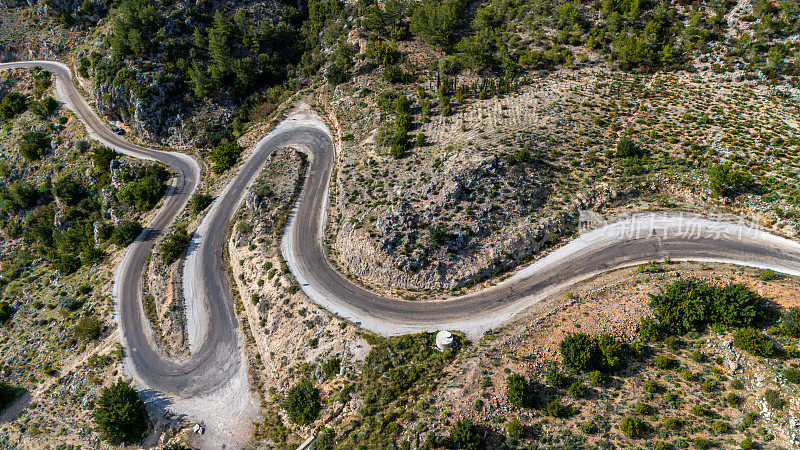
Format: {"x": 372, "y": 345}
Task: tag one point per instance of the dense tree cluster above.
{"x": 585, "y": 353}
{"x": 691, "y": 305}
{"x": 302, "y": 403}
{"x": 120, "y": 414}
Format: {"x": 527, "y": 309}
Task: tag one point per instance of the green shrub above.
{"x": 435, "y": 22}
{"x": 302, "y": 403}
{"x": 650, "y": 386}
{"x": 733, "y": 399}
{"x": 144, "y": 192}
{"x": 700, "y": 442}
{"x": 88, "y": 328}
{"x": 611, "y": 350}
{"x": 466, "y": 435}
{"x": 32, "y": 145}
{"x": 224, "y": 156}
{"x": 709, "y": 386}
{"x": 174, "y": 244}
{"x": 556, "y": 409}
{"x": 577, "y": 390}
{"x": 672, "y": 423}
{"x": 792, "y": 374}
{"x": 580, "y": 352}
{"x": 627, "y": 148}
{"x": 663, "y": 362}
{"x": 673, "y": 342}
{"x": 200, "y": 202}
{"x": 631, "y": 427}
{"x": 769, "y": 275}
{"x": 698, "y": 356}
{"x": 331, "y": 367}
{"x": 515, "y": 429}
{"x": 726, "y": 181}
{"x": 754, "y": 342}
{"x": 746, "y": 444}
{"x": 686, "y": 374}
{"x": 719, "y": 427}
{"x": 649, "y": 330}
{"x": 790, "y": 322}
{"x": 641, "y": 408}
{"x": 690, "y": 305}
{"x": 774, "y": 399}
{"x": 120, "y": 414}
{"x": 125, "y": 232}
{"x": 45, "y": 107}
{"x": 12, "y": 105}
{"x": 597, "y": 378}
{"x": 556, "y": 378}
{"x": 589, "y": 427}
{"x": 737, "y": 384}
{"x": 517, "y": 390}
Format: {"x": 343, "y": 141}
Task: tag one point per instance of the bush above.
{"x": 690, "y": 305}
{"x": 517, "y": 390}
{"x": 631, "y": 427}
{"x": 144, "y": 193}
{"x": 556, "y": 409}
{"x": 125, "y": 232}
{"x": 726, "y": 181}
{"x": 611, "y": 349}
{"x": 672, "y": 423}
{"x": 733, "y": 399}
{"x": 302, "y": 403}
{"x": 650, "y": 386}
{"x": 515, "y": 429}
{"x": 120, "y": 414}
{"x": 746, "y": 444}
{"x": 627, "y": 148}
{"x": 580, "y": 352}
{"x": 555, "y": 377}
{"x": 597, "y": 378}
{"x": 649, "y": 330}
{"x": 32, "y": 145}
{"x": 12, "y": 105}
{"x": 45, "y": 108}
{"x": 69, "y": 190}
{"x": 577, "y": 390}
{"x": 466, "y": 435}
{"x": 673, "y": 342}
{"x": 200, "y": 202}
{"x": 435, "y": 22}
{"x": 720, "y": 427}
{"x": 700, "y": 442}
{"x": 792, "y": 374}
{"x": 88, "y": 328}
{"x": 174, "y": 245}
{"x": 774, "y": 399}
{"x": 589, "y": 427}
{"x": 331, "y": 367}
{"x": 663, "y": 362}
{"x": 224, "y": 156}
{"x": 754, "y": 342}
{"x": 790, "y": 322}
{"x": 641, "y": 408}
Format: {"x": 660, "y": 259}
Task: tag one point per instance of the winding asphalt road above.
{"x": 212, "y": 325}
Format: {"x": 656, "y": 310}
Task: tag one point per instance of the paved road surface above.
{"x": 213, "y": 329}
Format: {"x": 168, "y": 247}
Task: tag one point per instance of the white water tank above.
{"x": 444, "y": 339}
